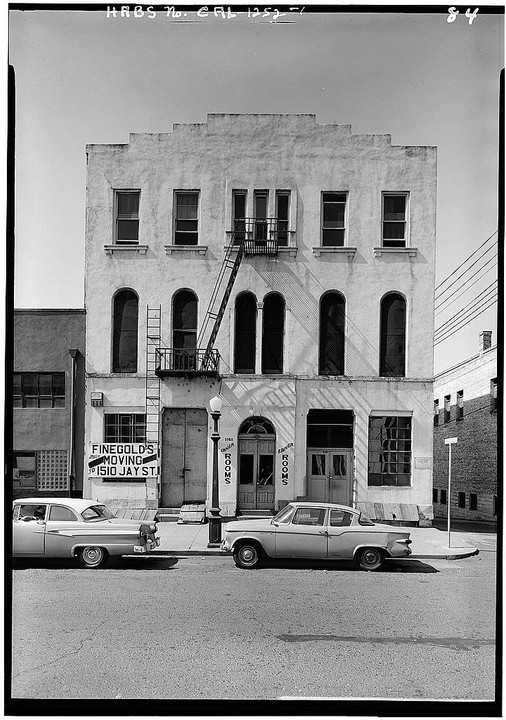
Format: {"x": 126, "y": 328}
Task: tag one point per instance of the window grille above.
{"x": 52, "y": 472}
{"x": 389, "y": 451}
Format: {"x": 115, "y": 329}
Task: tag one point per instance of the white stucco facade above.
{"x": 292, "y": 153}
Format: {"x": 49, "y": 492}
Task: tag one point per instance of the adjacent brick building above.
{"x": 48, "y": 403}
{"x": 324, "y": 352}
{"x": 465, "y": 407}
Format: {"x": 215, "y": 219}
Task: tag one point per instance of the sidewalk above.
{"x": 192, "y": 539}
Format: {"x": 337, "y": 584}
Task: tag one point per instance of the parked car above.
{"x": 315, "y": 531}
{"x": 73, "y": 527}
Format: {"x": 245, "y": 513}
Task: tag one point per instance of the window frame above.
{"x": 282, "y": 236}
{"x": 112, "y": 434}
{"x": 444, "y": 497}
{"x": 324, "y": 358}
{"x": 461, "y": 500}
{"x": 395, "y": 243}
{"x": 117, "y": 331}
{"x": 386, "y": 333}
{"x": 460, "y": 405}
{"x": 270, "y": 337}
{"x": 131, "y": 217}
{"x": 493, "y": 395}
{"x": 176, "y": 219}
{"x": 447, "y": 408}
{"x": 473, "y": 501}
{"x": 395, "y": 455}
{"x": 58, "y": 401}
{"x": 436, "y": 413}
{"x": 344, "y": 229}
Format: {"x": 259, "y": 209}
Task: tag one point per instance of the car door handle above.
{"x": 322, "y": 532}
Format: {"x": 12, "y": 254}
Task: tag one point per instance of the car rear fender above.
{"x": 383, "y": 549}
{"x": 248, "y": 539}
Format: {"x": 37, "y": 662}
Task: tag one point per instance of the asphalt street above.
{"x": 200, "y": 628}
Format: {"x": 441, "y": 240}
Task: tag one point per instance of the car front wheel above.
{"x": 370, "y": 559}
{"x": 92, "y": 556}
{"x": 247, "y": 557}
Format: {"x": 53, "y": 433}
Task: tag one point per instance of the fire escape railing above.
{"x": 260, "y": 236}
{"x": 189, "y": 360}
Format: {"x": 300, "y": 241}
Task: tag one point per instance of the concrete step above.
{"x": 167, "y": 514}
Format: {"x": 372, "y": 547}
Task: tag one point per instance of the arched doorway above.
{"x": 257, "y": 445}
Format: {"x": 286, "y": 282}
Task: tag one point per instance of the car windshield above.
{"x": 363, "y": 520}
{"x": 284, "y": 515}
{"x": 96, "y": 512}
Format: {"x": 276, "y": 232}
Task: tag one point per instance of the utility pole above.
{"x": 450, "y": 442}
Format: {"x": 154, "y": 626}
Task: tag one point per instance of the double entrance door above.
{"x": 256, "y": 473}
{"x": 329, "y": 475}
{"x": 184, "y": 456}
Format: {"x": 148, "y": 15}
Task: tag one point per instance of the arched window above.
{"x": 272, "y": 333}
{"x": 332, "y": 317}
{"x": 125, "y": 322}
{"x": 393, "y": 336}
{"x": 245, "y": 333}
{"x": 184, "y": 329}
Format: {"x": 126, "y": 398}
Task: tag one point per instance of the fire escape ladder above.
{"x": 218, "y": 302}
{"x": 153, "y": 342}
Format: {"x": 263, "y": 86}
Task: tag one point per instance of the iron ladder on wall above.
{"x": 153, "y": 342}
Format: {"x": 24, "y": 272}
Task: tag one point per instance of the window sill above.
{"x": 200, "y": 249}
{"x": 321, "y": 250}
{"x": 118, "y": 249}
{"x": 411, "y": 251}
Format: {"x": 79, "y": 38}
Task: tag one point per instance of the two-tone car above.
{"x": 315, "y": 531}
{"x": 80, "y": 528}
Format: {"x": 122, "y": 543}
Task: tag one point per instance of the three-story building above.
{"x": 287, "y": 266}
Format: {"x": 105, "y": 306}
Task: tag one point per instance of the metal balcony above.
{"x": 260, "y": 236}
{"x": 177, "y": 362}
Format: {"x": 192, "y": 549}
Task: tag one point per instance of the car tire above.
{"x": 92, "y": 556}
{"x": 247, "y": 556}
{"x": 370, "y": 558}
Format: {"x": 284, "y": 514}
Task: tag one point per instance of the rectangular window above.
{"x": 52, "y": 473}
{"x": 434, "y": 495}
{"x": 436, "y": 413}
{"x": 24, "y": 473}
{"x": 394, "y": 219}
{"x": 333, "y": 219}
{"x": 493, "y": 395}
{"x": 443, "y": 497}
{"x": 473, "y": 501}
{"x": 495, "y": 504}
{"x": 282, "y": 216}
{"x": 239, "y": 216}
{"x": 186, "y": 218}
{"x": 462, "y": 500}
{"x": 447, "y": 410}
{"x": 261, "y": 198}
{"x": 389, "y": 451}
{"x": 460, "y": 404}
{"x": 39, "y": 390}
{"x": 127, "y": 217}
{"x": 124, "y": 428}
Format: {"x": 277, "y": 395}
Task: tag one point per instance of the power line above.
{"x": 457, "y": 292}
{"x": 476, "y": 299}
{"x": 463, "y": 288}
{"x": 468, "y": 258}
{"x": 467, "y": 270}
{"x": 482, "y": 310}
{"x": 461, "y": 322}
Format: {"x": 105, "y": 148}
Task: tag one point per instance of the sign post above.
{"x": 450, "y": 442}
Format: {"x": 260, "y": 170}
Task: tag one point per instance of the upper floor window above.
{"x": 493, "y": 395}
{"x": 127, "y": 217}
{"x": 126, "y": 315}
{"x": 333, "y": 219}
{"x": 436, "y": 413}
{"x": 39, "y": 390}
{"x": 447, "y": 408}
{"x": 186, "y": 218}
{"x": 393, "y": 336}
{"x": 184, "y": 329}
{"x": 332, "y": 319}
{"x": 389, "y": 451}
{"x": 245, "y": 333}
{"x": 282, "y": 215}
{"x": 267, "y": 223}
{"x": 273, "y": 333}
{"x": 124, "y": 428}
{"x": 460, "y": 404}
{"x": 261, "y": 205}
{"x": 239, "y": 215}
{"x": 394, "y": 219}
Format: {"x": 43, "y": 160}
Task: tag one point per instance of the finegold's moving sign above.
{"x": 123, "y": 461}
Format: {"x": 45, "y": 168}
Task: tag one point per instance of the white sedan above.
{"x": 315, "y": 531}
{"x": 73, "y": 527}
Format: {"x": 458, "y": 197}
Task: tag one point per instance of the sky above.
{"x": 83, "y": 77}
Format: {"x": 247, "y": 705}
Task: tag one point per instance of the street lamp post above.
{"x": 449, "y": 442}
{"x": 214, "y": 521}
